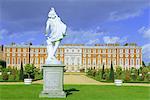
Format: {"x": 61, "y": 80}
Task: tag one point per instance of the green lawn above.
{"x": 76, "y": 92}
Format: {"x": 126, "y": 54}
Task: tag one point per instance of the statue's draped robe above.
{"x": 58, "y": 29}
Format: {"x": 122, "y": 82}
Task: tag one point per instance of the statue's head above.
{"x": 52, "y": 14}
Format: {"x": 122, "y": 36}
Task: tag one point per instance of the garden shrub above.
{"x": 37, "y": 73}
{"x": 106, "y": 74}
{"x": 145, "y": 73}
{"x": 127, "y": 75}
{"x": 5, "y": 76}
{"x": 14, "y": 73}
{"x": 98, "y": 75}
{"x": 118, "y": 73}
{"x": 140, "y": 78}
{"x": 94, "y": 72}
{"x": 89, "y": 72}
{"x": 134, "y": 74}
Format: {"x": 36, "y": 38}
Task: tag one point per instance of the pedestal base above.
{"x": 53, "y": 81}
{"x": 53, "y": 94}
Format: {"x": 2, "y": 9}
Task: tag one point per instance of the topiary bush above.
{"x": 29, "y": 71}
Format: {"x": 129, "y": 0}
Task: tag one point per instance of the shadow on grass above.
{"x": 70, "y": 91}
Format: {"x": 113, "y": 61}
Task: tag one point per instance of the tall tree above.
{"x": 103, "y": 72}
{"x": 143, "y": 64}
{"x": 111, "y": 75}
{"x": 21, "y": 76}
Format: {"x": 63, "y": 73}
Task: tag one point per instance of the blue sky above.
{"x": 89, "y": 21}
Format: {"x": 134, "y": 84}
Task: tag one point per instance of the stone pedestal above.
{"x": 53, "y": 81}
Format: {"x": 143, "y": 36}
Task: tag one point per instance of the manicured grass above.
{"x": 76, "y": 92}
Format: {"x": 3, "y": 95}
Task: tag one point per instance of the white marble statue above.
{"x": 55, "y": 31}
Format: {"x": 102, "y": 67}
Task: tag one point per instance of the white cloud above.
{"x": 90, "y": 42}
{"x": 83, "y": 36}
{"x": 22, "y": 34}
{"x": 121, "y": 15}
{"x": 146, "y": 52}
{"x": 115, "y": 39}
{"x": 90, "y": 37}
{"x": 18, "y": 37}
{"x": 145, "y": 31}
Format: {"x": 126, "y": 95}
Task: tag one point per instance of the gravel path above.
{"x": 75, "y": 79}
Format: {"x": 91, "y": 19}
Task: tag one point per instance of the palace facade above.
{"x": 76, "y": 57}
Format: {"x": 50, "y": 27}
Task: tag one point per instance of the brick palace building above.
{"x": 75, "y": 56}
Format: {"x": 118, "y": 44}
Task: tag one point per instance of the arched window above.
{"x": 109, "y": 61}
{"x": 114, "y": 61}
{"x": 132, "y": 62}
{"x": 89, "y": 61}
{"x": 137, "y": 61}
{"x": 18, "y": 60}
{"x": 121, "y": 61}
{"x": 126, "y": 61}
{"x": 13, "y": 61}
{"x": 121, "y": 50}
{"x": 72, "y": 60}
{"x": 36, "y": 60}
{"x": 104, "y": 61}
{"x": 94, "y": 61}
{"x": 41, "y": 60}
{"x": 31, "y": 60}
{"x": 8, "y": 60}
{"x": 126, "y": 50}
{"x": 137, "y": 50}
